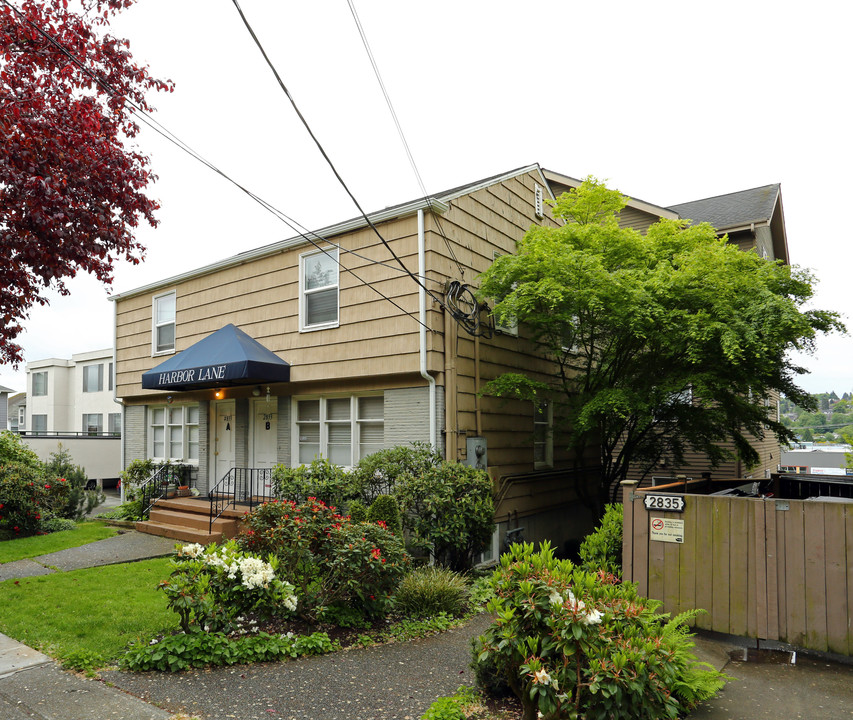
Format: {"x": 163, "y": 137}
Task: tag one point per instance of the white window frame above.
{"x": 98, "y": 380}
{"x": 189, "y": 430}
{"x": 41, "y": 392}
{"x": 22, "y": 417}
{"x": 548, "y": 444}
{"x": 356, "y": 424}
{"x": 304, "y": 258}
{"x": 155, "y": 325}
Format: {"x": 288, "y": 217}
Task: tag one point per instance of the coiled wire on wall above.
{"x": 471, "y": 314}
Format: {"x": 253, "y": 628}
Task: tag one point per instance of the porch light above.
{"x": 268, "y": 393}
{"x": 218, "y": 394}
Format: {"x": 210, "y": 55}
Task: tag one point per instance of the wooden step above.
{"x": 177, "y": 532}
{"x": 167, "y": 516}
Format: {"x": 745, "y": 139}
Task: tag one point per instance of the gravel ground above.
{"x": 387, "y": 682}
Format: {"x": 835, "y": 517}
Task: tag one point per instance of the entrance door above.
{"x": 223, "y": 440}
{"x": 264, "y": 454}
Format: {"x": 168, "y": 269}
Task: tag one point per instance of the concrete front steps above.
{"x": 188, "y": 520}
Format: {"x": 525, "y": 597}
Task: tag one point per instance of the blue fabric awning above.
{"x": 227, "y": 357}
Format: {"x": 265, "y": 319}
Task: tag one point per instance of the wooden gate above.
{"x": 763, "y": 568}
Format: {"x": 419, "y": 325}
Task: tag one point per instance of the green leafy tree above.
{"x": 808, "y": 435}
{"x": 663, "y": 343}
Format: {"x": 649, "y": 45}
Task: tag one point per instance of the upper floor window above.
{"x": 543, "y": 436}
{"x": 507, "y": 325}
{"x": 39, "y": 383}
{"x": 93, "y": 378}
{"x": 22, "y": 417}
{"x": 114, "y": 423}
{"x": 318, "y": 290}
{"x": 163, "y": 330}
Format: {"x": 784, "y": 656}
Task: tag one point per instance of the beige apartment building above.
{"x": 351, "y": 339}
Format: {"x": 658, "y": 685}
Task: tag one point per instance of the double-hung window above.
{"x": 163, "y": 327}
{"x": 318, "y": 290}
{"x": 93, "y": 378}
{"x": 341, "y": 429}
{"x": 173, "y": 432}
{"x": 543, "y": 436}
{"x": 39, "y": 383}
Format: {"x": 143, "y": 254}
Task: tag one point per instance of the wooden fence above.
{"x": 764, "y": 568}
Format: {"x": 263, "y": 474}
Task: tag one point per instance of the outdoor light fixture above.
{"x": 268, "y": 393}
{"x": 257, "y": 391}
{"x": 218, "y": 394}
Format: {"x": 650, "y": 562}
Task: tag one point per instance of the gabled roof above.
{"x": 436, "y": 202}
{"x": 732, "y": 210}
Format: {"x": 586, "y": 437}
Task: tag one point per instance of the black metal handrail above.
{"x": 248, "y": 487}
{"x": 157, "y": 486}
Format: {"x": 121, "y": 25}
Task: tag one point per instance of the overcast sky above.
{"x": 667, "y": 101}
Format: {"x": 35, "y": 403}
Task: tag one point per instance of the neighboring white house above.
{"x": 4, "y": 406}
{"x": 72, "y": 402}
{"x": 16, "y": 410}
{"x": 72, "y": 396}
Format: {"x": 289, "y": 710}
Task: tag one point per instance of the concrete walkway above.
{"x": 389, "y": 682}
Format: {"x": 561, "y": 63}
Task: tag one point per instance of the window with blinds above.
{"x": 341, "y": 429}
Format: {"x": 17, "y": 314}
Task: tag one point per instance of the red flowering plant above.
{"x": 24, "y": 500}
{"x": 330, "y": 559}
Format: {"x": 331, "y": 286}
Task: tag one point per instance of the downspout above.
{"x": 423, "y": 329}
{"x": 122, "y": 427}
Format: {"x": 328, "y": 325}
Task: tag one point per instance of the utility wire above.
{"x": 400, "y": 131}
{"x": 324, "y": 154}
{"x": 157, "y": 127}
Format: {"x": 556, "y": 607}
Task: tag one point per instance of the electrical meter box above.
{"x": 477, "y": 453}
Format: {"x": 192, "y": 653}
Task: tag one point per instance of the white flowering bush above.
{"x": 212, "y": 588}
{"x": 571, "y": 643}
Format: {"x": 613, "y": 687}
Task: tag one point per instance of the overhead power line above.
{"x": 157, "y": 127}
{"x": 400, "y": 132}
{"x": 323, "y": 152}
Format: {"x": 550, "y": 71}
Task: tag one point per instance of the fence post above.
{"x": 628, "y": 529}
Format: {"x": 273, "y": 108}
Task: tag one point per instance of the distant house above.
{"x": 71, "y": 402}
{"x": 4, "y": 406}
{"x": 17, "y": 406}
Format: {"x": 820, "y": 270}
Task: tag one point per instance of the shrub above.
{"x": 571, "y": 643}
{"x": 602, "y": 548}
{"x": 429, "y": 590}
{"x": 330, "y": 559}
{"x": 378, "y": 473}
{"x": 449, "y": 511}
{"x": 322, "y": 480}
{"x": 78, "y": 501}
{"x": 24, "y": 499}
{"x": 52, "y": 525}
{"x": 212, "y": 587}
{"x": 357, "y": 511}
{"x": 13, "y": 450}
{"x": 385, "y": 509}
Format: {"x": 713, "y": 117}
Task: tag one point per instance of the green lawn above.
{"x": 36, "y": 545}
{"x": 97, "y": 610}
